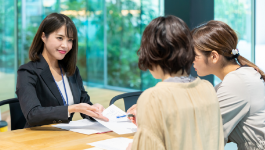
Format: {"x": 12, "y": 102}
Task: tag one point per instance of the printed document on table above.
{"x": 120, "y": 143}
{"x": 83, "y": 126}
{"x": 117, "y": 125}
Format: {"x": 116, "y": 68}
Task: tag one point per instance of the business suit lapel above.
{"x": 74, "y": 89}
{"x": 49, "y": 80}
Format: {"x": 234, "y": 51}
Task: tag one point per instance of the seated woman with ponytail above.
{"x": 241, "y": 92}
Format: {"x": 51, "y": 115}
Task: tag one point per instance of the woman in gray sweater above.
{"x": 241, "y": 92}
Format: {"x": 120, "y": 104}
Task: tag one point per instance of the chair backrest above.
{"x": 18, "y": 120}
{"x": 129, "y": 99}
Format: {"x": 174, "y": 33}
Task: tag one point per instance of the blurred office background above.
{"x": 109, "y": 33}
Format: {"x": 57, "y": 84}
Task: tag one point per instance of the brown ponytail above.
{"x": 243, "y": 61}
{"x": 218, "y": 36}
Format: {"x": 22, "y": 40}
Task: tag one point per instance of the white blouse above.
{"x": 68, "y": 90}
{"x": 241, "y": 99}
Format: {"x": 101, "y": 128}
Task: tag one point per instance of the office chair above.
{"x": 18, "y": 120}
{"x": 129, "y": 99}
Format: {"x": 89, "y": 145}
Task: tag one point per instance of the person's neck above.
{"x": 178, "y": 74}
{"x": 221, "y": 73}
{"x": 52, "y": 62}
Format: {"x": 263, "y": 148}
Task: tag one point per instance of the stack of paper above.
{"x": 83, "y": 126}
{"x": 117, "y": 125}
{"x": 112, "y": 144}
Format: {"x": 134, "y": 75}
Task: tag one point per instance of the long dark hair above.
{"x": 218, "y": 36}
{"x": 50, "y": 24}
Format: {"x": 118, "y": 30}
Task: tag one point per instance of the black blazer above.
{"x": 39, "y": 97}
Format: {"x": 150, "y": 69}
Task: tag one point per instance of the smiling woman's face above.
{"x": 57, "y": 44}
{"x": 200, "y": 65}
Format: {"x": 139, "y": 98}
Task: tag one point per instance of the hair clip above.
{"x": 235, "y": 51}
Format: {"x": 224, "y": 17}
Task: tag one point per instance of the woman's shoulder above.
{"x": 30, "y": 67}
{"x": 149, "y": 91}
{"x": 148, "y": 94}
{"x": 163, "y": 87}
{"x": 239, "y": 77}
{"x": 242, "y": 73}
{"x": 27, "y": 73}
{"x": 242, "y": 80}
{"x": 234, "y": 83}
{"x": 155, "y": 90}
{"x": 231, "y": 81}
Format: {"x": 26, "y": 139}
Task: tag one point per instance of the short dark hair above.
{"x": 50, "y": 24}
{"x": 167, "y": 42}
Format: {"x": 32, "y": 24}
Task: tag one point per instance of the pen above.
{"x": 129, "y": 115}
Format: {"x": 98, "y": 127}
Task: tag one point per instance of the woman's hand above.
{"x": 132, "y": 110}
{"x": 99, "y": 107}
{"x": 129, "y": 147}
{"x": 92, "y": 111}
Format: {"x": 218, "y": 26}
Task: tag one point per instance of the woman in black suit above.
{"x": 49, "y": 87}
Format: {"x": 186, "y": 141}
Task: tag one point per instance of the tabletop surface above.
{"x": 51, "y": 138}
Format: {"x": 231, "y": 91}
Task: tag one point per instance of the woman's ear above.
{"x": 43, "y": 37}
{"x": 214, "y": 57}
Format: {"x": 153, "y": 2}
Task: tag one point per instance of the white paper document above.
{"x": 83, "y": 126}
{"x": 117, "y": 125}
{"x": 112, "y": 144}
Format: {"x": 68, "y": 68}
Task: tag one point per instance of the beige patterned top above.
{"x": 179, "y": 116}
